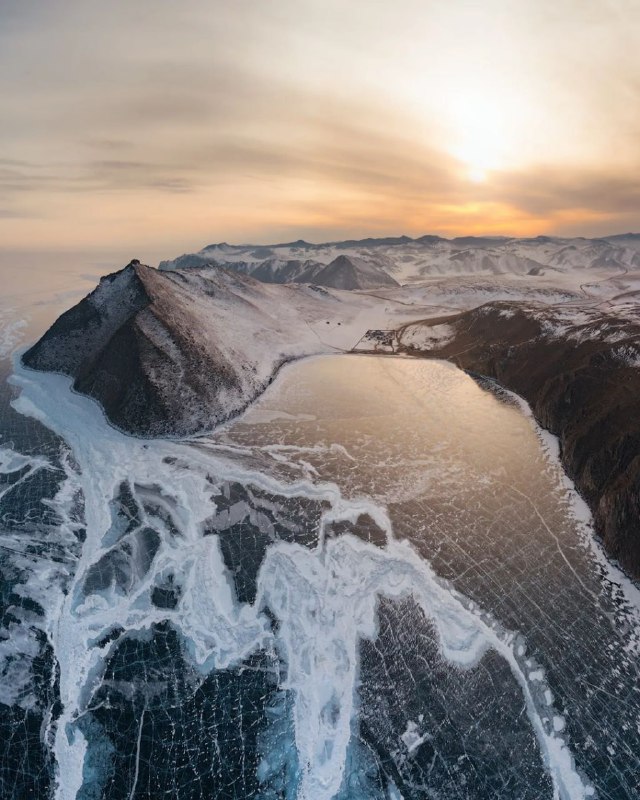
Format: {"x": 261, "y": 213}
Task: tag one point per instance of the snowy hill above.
{"x": 370, "y": 263}
{"x": 352, "y": 272}
{"x": 178, "y": 352}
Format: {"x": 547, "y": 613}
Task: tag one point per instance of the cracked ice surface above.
{"x": 371, "y": 585}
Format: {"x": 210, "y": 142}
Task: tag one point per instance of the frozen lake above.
{"x": 376, "y": 583}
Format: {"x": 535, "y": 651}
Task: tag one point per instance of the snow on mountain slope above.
{"x": 343, "y": 272}
{"x": 630, "y": 240}
{"x": 353, "y": 272}
{"x": 409, "y": 260}
{"x": 468, "y": 291}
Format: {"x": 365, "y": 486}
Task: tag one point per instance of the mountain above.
{"x": 344, "y": 272}
{"x": 480, "y": 241}
{"x": 179, "y": 352}
{"x": 631, "y": 240}
{"x": 351, "y": 272}
{"x": 390, "y": 260}
{"x": 175, "y": 352}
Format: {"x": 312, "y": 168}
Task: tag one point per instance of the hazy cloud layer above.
{"x": 167, "y": 125}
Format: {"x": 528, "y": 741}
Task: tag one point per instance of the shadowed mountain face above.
{"x": 353, "y": 273}
{"x": 579, "y": 373}
{"x": 118, "y": 347}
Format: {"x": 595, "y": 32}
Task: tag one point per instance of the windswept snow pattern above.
{"x": 260, "y": 613}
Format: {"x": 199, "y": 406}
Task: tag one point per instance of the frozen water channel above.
{"x": 376, "y": 583}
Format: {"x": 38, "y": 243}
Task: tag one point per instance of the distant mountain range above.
{"x": 390, "y": 261}
{"x": 343, "y": 272}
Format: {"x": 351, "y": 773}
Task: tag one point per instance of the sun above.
{"x": 477, "y": 175}
{"x": 479, "y": 134}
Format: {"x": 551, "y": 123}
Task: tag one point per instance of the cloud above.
{"x": 541, "y": 191}
{"x": 10, "y": 213}
{"x": 309, "y": 117}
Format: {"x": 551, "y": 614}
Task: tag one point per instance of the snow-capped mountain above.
{"x": 178, "y": 352}
{"x": 370, "y": 263}
{"x": 343, "y": 272}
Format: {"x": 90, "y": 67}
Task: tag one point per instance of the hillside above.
{"x": 344, "y": 272}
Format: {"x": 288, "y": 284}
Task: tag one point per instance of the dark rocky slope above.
{"x": 350, "y": 272}
{"x": 579, "y": 371}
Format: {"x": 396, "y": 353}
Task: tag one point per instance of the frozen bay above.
{"x": 377, "y": 582}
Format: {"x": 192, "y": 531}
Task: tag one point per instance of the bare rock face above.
{"x": 580, "y": 373}
{"x": 175, "y": 353}
{"x": 77, "y": 336}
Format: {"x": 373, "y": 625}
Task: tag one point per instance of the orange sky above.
{"x": 159, "y": 127}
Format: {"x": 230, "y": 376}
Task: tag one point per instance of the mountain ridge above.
{"x": 406, "y": 260}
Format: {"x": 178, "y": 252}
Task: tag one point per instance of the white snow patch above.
{"x": 412, "y": 738}
{"x": 423, "y": 336}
